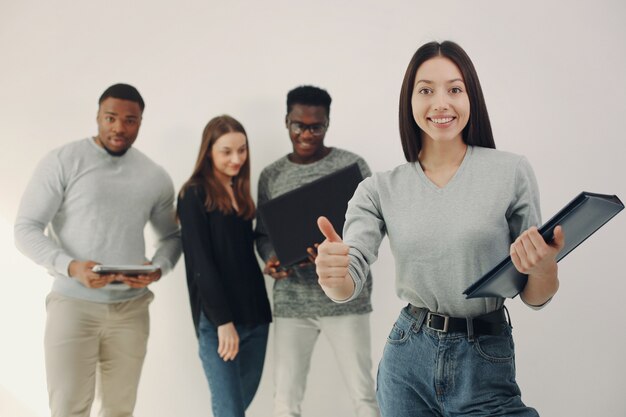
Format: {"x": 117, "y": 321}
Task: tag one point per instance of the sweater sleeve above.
{"x": 198, "y": 248}
{"x": 263, "y": 244}
{"x": 365, "y": 169}
{"x": 363, "y": 231}
{"x": 40, "y": 202}
{"x": 524, "y": 210}
{"x": 163, "y": 220}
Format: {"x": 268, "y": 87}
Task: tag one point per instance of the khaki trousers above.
{"x": 94, "y": 348}
{"x": 349, "y": 338}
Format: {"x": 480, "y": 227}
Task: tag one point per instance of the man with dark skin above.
{"x": 301, "y": 310}
{"x": 94, "y": 197}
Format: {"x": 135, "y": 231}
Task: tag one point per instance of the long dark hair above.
{"x": 477, "y": 132}
{"x": 217, "y": 197}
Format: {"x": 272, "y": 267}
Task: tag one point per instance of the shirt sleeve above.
{"x": 365, "y": 169}
{"x": 40, "y": 202}
{"x": 363, "y": 231}
{"x": 262, "y": 240}
{"x": 198, "y": 248}
{"x": 163, "y": 221}
{"x": 524, "y": 210}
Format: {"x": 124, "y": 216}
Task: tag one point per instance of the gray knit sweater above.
{"x": 300, "y": 295}
{"x": 95, "y": 207}
{"x": 443, "y": 239}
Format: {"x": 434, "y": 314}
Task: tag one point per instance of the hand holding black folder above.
{"x": 291, "y": 218}
{"x": 579, "y": 219}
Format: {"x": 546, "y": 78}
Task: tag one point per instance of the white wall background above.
{"x": 554, "y": 78}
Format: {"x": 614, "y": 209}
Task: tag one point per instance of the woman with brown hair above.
{"x": 229, "y": 304}
{"x": 452, "y": 212}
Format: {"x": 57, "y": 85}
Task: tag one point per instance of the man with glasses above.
{"x": 301, "y": 309}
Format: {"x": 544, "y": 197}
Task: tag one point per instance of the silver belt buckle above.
{"x": 429, "y": 317}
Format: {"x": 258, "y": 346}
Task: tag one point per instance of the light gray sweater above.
{"x": 300, "y": 295}
{"x": 95, "y": 207}
{"x": 443, "y": 239}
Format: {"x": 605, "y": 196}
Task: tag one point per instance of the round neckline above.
{"x": 312, "y": 164}
{"x": 103, "y": 152}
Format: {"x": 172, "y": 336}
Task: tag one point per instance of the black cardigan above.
{"x": 223, "y": 275}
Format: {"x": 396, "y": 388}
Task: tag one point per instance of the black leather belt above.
{"x": 489, "y": 324}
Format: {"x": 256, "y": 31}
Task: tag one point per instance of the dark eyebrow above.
{"x": 312, "y": 124}
{"x": 226, "y": 147}
{"x": 430, "y": 82}
{"x": 130, "y": 116}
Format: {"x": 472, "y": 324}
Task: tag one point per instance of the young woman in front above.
{"x": 451, "y": 213}
{"x": 229, "y": 304}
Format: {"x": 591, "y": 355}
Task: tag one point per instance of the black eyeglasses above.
{"x": 317, "y": 129}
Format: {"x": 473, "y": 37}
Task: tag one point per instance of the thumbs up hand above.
{"x": 328, "y": 230}
{"x": 332, "y": 262}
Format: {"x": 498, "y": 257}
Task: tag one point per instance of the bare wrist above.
{"x": 71, "y": 269}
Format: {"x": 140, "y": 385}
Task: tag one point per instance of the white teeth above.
{"x": 440, "y": 121}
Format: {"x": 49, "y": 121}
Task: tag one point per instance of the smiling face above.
{"x": 118, "y": 125}
{"x": 307, "y": 129}
{"x": 440, "y": 102}
{"x": 229, "y": 153}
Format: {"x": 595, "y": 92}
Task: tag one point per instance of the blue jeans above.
{"x": 427, "y": 373}
{"x": 233, "y": 383}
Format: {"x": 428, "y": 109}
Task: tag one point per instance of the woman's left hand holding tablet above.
{"x": 532, "y": 255}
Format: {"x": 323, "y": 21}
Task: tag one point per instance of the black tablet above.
{"x": 579, "y": 219}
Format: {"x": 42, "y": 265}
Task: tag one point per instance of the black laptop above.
{"x": 291, "y": 218}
